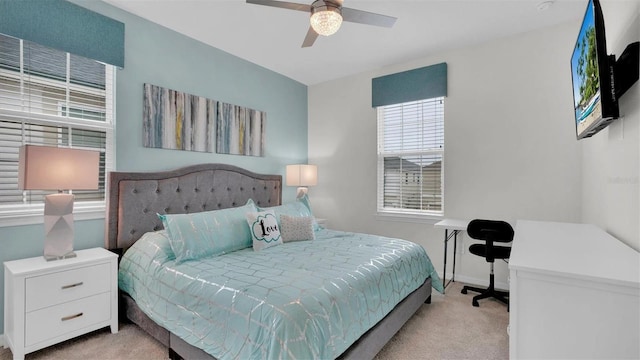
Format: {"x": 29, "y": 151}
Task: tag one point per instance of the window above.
{"x": 410, "y": 156}
{"x": 50, "y": 97}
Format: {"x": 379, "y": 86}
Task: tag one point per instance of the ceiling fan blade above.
{"x": 311, "y": 37}
{"x": 282, "y": 4}
{"x": 365, "y": 17}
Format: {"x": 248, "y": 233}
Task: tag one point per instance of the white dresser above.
{"x": 574, "y": 293}
{"x": 46, "y": 302}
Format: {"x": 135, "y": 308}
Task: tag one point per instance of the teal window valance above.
{"x": 417, "y": 84}
{"x": 64, "y": 26}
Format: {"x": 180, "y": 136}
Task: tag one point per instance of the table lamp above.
{"x": 302, "y": 175}
{"x": 53, "y": 168}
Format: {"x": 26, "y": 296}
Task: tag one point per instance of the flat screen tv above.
{"x": 592, "y": 72}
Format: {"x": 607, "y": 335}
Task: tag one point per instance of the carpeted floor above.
{"x": 451, "y": 328}
{"x": 448, "y": 328}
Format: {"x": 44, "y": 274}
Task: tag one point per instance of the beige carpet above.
{"x": 451, "y": 328}
{"x": 448, "y": 328}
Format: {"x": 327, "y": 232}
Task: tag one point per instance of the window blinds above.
{"x": 53, "y": 98}
{"x": 410, "y": 155}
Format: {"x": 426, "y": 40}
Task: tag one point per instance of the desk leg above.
{"x": 444, "y": 272}
{"x": 455, "y": 251}
{"x": 447, "y": 237}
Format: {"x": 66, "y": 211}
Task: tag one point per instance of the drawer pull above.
{"x": 71, "y": 317}
{"x": 71, "y": 286}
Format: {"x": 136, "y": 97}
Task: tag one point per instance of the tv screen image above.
{"x": 586, "y": 80}
{"x": 595, "y": 104}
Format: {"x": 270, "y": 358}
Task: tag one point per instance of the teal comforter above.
{"x": 299, "y": 300}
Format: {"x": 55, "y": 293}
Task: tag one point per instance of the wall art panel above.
{"x": 239, "y": 130}
{"x": 177, "y": 120}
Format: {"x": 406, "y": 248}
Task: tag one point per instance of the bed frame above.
{"x": 136, "y": 197}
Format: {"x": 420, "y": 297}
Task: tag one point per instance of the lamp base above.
{"x": 65, "y": 256}
{"x": 302, "y": 191}
{"x": 58, "y": 226}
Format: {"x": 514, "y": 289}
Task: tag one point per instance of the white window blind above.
{"x": 53, "y": 98}
{"x": 410, "y": 157}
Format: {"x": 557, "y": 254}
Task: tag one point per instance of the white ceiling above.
{"x": 272, "y": 37}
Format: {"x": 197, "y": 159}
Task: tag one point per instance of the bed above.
{"x": 273, "y": 303}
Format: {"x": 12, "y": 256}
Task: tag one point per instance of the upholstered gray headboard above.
{"x": 135, "y": 198}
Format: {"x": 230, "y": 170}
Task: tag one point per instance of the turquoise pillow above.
{"x": 208, "y": 233}
{"x": 299, "y": 208}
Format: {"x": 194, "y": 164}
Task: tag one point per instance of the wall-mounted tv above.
{"x": 592, "y": 72}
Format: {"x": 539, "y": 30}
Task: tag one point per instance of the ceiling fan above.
{"x": 326, "y": 16}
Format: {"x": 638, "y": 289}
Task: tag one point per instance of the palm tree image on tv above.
{"x": 587, "y": 103}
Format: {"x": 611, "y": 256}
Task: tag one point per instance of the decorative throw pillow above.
{"x": 300, "y": 207}
{"x": 208, "y": 233}
{"x": 296, "y": 228}
{"x": 264, "y": 229}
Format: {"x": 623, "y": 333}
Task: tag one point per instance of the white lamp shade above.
{"x": 302, "y": 175}
{"x": 52, "y": 168}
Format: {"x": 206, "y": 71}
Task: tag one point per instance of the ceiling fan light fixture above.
{"x": 326, "y": 18}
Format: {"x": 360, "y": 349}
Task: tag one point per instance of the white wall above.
{"x": 510, "y": 148}
{"x": 611, "y": 159}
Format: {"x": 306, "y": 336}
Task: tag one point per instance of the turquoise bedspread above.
{"x": 300, "y": 300}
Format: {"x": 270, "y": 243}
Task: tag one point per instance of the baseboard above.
{"x": 478, "y": 282}
{"x": 1, "y": 340}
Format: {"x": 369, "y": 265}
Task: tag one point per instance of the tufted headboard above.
{"x": 136, "y": 197}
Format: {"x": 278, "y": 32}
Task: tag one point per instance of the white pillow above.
{"x": 263, "y": 227}
{"x": 296, "y": 228}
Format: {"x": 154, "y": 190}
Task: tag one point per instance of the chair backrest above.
{"x": 491, "y": 230}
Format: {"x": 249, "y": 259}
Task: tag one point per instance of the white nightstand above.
{"x": 46, "y": 302}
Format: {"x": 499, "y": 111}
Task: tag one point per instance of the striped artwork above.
{"x": 240, "y": 131}
{"x": 176, "y": 120}
{"x": 180, "y": 121}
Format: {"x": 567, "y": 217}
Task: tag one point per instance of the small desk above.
{"x": 451, "y": 229}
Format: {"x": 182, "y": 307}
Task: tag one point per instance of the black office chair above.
{"x": 491, "y": 231}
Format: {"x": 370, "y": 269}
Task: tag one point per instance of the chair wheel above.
{"x": 464, "y": 291}
{"x": 475, "y": 303}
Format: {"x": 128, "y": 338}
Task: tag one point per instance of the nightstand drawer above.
{"x": 64, "y": 286}
{"x": 61, "y": 319}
